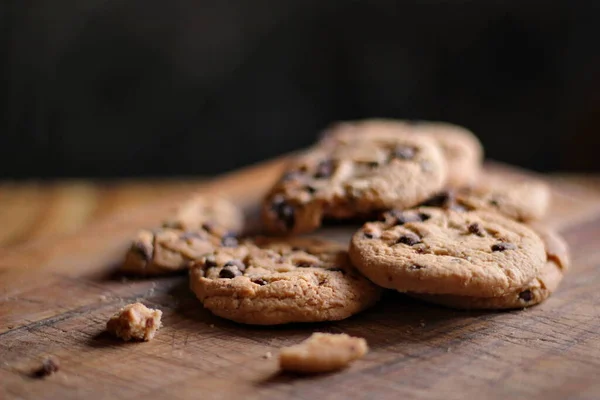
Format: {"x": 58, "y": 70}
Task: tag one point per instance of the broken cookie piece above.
{"x": 135, "y": 321}
{"x": 322, "y": 352}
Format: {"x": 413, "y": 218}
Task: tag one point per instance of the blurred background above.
{"x": 102, "y": 88}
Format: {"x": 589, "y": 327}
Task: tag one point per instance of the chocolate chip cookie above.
{"x": 461, "y": 148}
{"x": 166, "y": 250}
{"x": 534, "y": 292}
{"x": 520, "y": 199}
{"x": 269, "y": 281}
{"x": 445, "y": 251}
{"x": 206, "y": 212}
{"x": 353, "y": 179}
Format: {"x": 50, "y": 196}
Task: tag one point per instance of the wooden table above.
{"x": 60, "y": 244}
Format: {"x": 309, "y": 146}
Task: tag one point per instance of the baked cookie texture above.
{"x": 273, "y": 281}
{"x": 461, "y": 148}
{"x": 196, "y": 228}
{"x": 135, "y": 322}
{"x": 521, "y": 199}
{"x": 534, "y": 292}
{"x": 206, "y": 212}
{"x": 322, "y": 352}
{"x": 355, "y": 178}
{"x": 444, "y": 251}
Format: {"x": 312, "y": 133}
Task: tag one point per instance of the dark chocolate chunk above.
{"x": 284, "y": 211}
{"x": 49, "y": 366}
{"x": 476, "y": 229}
{"x": 424, "y": 216}
{"x": 409, "y": 238}
{"x": 373, "y": 164}
{"x": 324, "y": 169}
{"x": 502, "y": 246}
{"x": 229, "y": 240}
{"x": 526, "y": 295}
{"x": 259, "y": 281}
{"x": 310, "y": 189}
{"x": 369, "y": 235}
{"x": 210, "y": 262}
{"x": 229, "y": 272}
{"x": 443, "y": 200}
{"x": 404, "y": 152}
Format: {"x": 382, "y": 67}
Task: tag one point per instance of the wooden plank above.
{"x": 56, "y": 295}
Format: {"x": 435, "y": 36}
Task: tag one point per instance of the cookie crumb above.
{"x": 135, "y": 321}
{"x": 322, "y": 352}
{"x": 268, "y": 355}
{"x": 49, "y": 366}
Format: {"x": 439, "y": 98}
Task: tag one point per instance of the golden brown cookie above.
{"x": 207, "y": 212}
{"x": 269, "y": 281}
{"x": 353, "y": 179}
{"x": 322, "y": 352}
{"x": 166, "y": 250}
{"x": 443, "y": 251}
{"x": 521, "y": 199}
{"x": 461, "y": 148}
{"x": 534, "y": 292}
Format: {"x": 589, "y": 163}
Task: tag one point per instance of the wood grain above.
{"x": 56, "y": 293}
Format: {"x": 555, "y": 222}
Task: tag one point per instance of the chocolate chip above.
{"x": 229, "y": 272}
{"x": 404, "y": 152}
{"x": 324, "y": 169}
{"x": 476, "y": 229}
{"x": 369, "y": 235}
{"x": 373, "y": 164}
{"x": 237, "y": 264}
{"x": 285, "y": 212}
{"x": 416, "y": 266}
{"x": 229, "y": 240}
{"x": 210, "y": 262}
{"x": 494, "y": 202}
{"x": 502, "y": 246}
{"x": 208, "y": 226}
{"x": 405, "y": 217}
{"x": 442, "y": 199}
{"x": 310, "y": 189}
{"x": 49, "y": 366}
{"x": 424, "y": 216}
{"x": 146, "y": 250}
{"x": 259, "y": 281}
{"x": 409, "y": 238}
{"x": 526, "y": 295}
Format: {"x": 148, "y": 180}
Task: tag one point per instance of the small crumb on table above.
{"x": 135, "y": 321}
{"x": 49, "y": 366}
{"x": 322, "y": 352}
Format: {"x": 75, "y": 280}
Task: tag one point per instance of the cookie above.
{"x": 166, "y": 250}
{"x": 135, "y": 322}
{"x": 520, "y": 199}
{"x": 269, "y": 281}
{"x": 461, "y": 148}
{"x": 206, "y": 212}
{"x": 354, "y": 179}
{"x": 444, "y": 251}
{"x": 322, "y": 352}
{"x": 534, "y": 292}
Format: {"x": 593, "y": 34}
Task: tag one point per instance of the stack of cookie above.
{"x": 435, "y": 227}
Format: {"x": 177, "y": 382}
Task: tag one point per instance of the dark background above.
{"x": 145, "y": 88}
